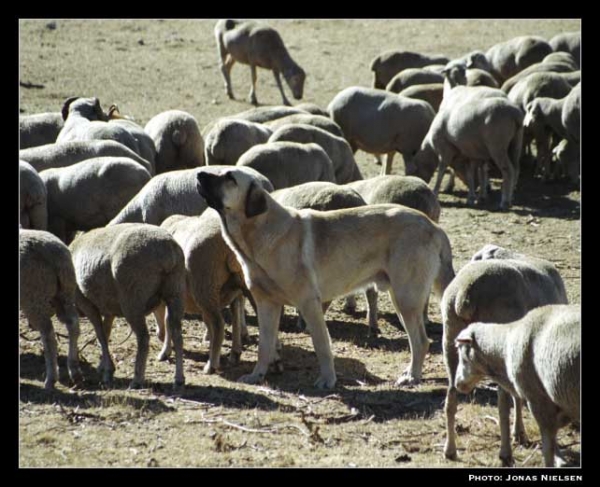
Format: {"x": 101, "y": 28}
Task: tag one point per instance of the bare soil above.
{"x": 148, "y": 66}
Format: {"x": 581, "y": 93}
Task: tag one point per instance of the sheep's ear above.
{"x": 66, "y": 105}
{"x": 256, "y": 203}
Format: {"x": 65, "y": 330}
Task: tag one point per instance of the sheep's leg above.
{"x": 387, "y": 168}
{"x": 504, "y": 418}
{"x": 138, "y": 325}
{"x": 470, "y": 174}
{"x": 350, "y": 304}
{"x": 518, "y": 433}
{"x": 44, "y": 326}
{"x": 237, "y": 310}
{"x": 444, "y": 160}
{"x": 71, "y": 321}
{"x": 107, "y": 323}
{"x": 162, "y": 332}
{"x": 215, "y": 327}
{"x": 547, "y": 421}
{"x": 500, "y": 157}
{"x": 451, "y": 404}
{"x": 174, "y": 317}
{"x": 312, "y": 310}
{"x": 252, "y": 95}
{"x": 483, "y": 181}
{"x": 280, "y": 86}
{"x": 226, "y": 72}
{"x": 450, "y": 183}
{"x": 268, "y": 324}
{"x": 371, "y": 297}
{"x": 106, "y": 367}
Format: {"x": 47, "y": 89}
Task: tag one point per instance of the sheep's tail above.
{"x": 445, "y": 270}
{"x": 64, "y": 301}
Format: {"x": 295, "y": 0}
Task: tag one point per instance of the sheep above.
{"x": 266, "y": 114}
{"x": 479, "y": 124}
{"x": 90, "y": 193}
{"x": 312, "y": 108}
{"x": 47, "y": 287}
{"x": 498, "y": 285}
{"x": 537, "y": 358}
{"x": 479, "y": 77}
{"x": 39, "y": 129}
{"x": 541, "y": 67}
{"x": 32, "y": 198}
{"x": 389, "y": 63}
{"x": 254, "y": 44}
{"x": 568, "y": 155}
{"x": 431, "y": 93}
{"x": 337, "y": 148}
{"x": 289, "y": 163}
{"x": 551, "y": 85}
{"x": 65, "y": 154}
{"x": 129, "y": 270}
{"x": 145, "y": 143}
{"x": 568, "y": 42}
{"x": 509, "y": 57}
{"x": 562, "y": 57}
{"x": 230, "y": 138}
{"x": 571, "y": 114}
{"x": 412, "y": 77}
{"x": 85, "y": 120}
{"x": 319, "y": 121}
{"x": 214, "y": 280}
{"x": 379, "y": 122}
{"x": 171, "y": 193}
{"x": 177, "y": 139}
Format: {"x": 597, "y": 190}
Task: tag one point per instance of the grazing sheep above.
{"x": 568, "y": 155}
{"x": 537, "y": 358}
{"x": 571, "y": 114}
{"x": 480, "y": 77}
{"x": 146, "y": 147}
{"x": 85, "y": 120}
{"x": 128, "y": 270}
{"x": 287, "y": 164}
{"x": 266, "y": 114}
{"x": 550, "y": 85}
{"x": 228, "y": 139}
{"x": 177, "y": 139}
{"x": 412, "y": 77}
{"x": 431, "y": 93}
{"x": 47, "y": 287}
{"x": 39, "y": 129}
{"x": 498, "y": 286}
{"x": 65, "y": 154}
{"x": 254, "y": 44}
{"x": 337, "y": 148}
{"x": 312, "y": 108}
{"x": 568, "y": 42}
{"x": 90, "y": 193}
{"x": 380, "y": 122}
{"x": 388, "y": 64}
{"x": 509, "y": 57}
{"x": 171, "y": 193}
{"x": 214, "y": 280}
{"x": 324, "y": 123}
{"x": 32, "y": 198}
{"x": 562, "y": 57}
{"x": 543, "y": 67}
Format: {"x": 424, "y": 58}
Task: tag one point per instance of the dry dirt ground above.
{"x": 149, "y": 66}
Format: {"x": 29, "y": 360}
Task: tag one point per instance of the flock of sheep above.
{"x": 151, "y": 244}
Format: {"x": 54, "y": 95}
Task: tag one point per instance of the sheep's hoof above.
{"x": 209, "y": 369}
{"x": 179, "y": 386}
{"x": 507, "y": 461}
{"x": 374, "y": 331}
{"x": 324, "y": 382}
{"x": 251, "y": 378}
{"x": 450, "y": 453}
{"x": 76, "y": 376}
{"x": 234, "y": 358}
{"x": 253, "y": 100}
{"x": 407, "y": 379}
{"x": 136, "y": 384}
{"x": 521, "y": 438}
{"x": 49, "y": 385}
{"x": 276, "y": 367}
{"x": 162, "y": 356}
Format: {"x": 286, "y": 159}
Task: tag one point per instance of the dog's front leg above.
{"x": 312, "y": 312}
{"x": 268, "y": 325}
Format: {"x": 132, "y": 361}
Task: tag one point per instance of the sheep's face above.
{"x": 423, "y": 163}
{"x": 477, "y": 59}
{"x": 468, "y": 373}
{"x": 532, "y": 113}
{"x": 234, "y": 194}
{"x": 455, "y": 73}
{"x": 295, "y": 81}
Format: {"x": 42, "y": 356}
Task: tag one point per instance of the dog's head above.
{"x": 232, "y": 192}
{"x": 86, "y": 107}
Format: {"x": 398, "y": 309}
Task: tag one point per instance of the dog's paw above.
{"x": 325, "y": 382}
{"x": 251, "y": 379}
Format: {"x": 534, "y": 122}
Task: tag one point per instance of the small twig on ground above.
{"x": 530, "y": 456}
{"x": 491, "y": 418}
{"x": 28, "y": 84}
{"x": 28, "y": 339}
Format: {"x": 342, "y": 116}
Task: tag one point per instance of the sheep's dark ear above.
{"x": 66, "y": 105}
{"x": 256, "y": 203}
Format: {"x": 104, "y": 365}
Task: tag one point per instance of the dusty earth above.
{"x": 149, "y": 66}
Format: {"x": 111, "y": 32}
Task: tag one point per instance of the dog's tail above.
{"x": 445, "y": 270}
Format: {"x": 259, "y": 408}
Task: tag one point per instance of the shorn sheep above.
{"x": 228, "y": 139}
{"x": 47, "y": 287}
{"x": 499, "y": 286}
{"x": 129, "y": 270}
{"x": 39, "y": 129}
{"x": 537, "y": 358}
{"x": 33, "y": 200}
{"x": 257, "y": 45}
{"x": 389, "y": 63}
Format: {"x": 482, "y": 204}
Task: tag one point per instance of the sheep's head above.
{"x": 532, "y": 113}
{"x": 477, "y": 59}
{"x": 85, "y": 107}
{"x": 455, "y": 73}
{"x": 469, "y": 372}
{"x": 424, "y": 163}
{"x": 295, "y": 79}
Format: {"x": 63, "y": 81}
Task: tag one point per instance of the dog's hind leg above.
{"x": 268, "y": 324}
{"x": 312, "y": 311}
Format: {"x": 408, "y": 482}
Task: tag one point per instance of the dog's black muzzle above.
{"x": 208, "y": 188}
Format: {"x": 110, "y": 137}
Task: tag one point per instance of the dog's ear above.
{"x": 256, "y": 203}
{"x": 66, "y": 105}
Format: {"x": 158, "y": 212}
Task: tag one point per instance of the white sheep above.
{"x": 411, "y": 77}
{"x": 64, "y": 154}
{"x": 431, "y": 93}
{"x": 178, "y": 142}
{"x": 568, "y": 42}
{"x": 228, "y": 139}
{"x": 338, "y": 150}
{"x": 33, "y": 199}
{"x": 380, "y": 122}
{"x": 319, "y": 121}
{"x": 537, "y": 358}
{"x": 257, "y": 45}
{"x": 287, "y": 164}
{"x": 47, "y": 287}
{"x": 499, "y": 286}
{"x": 129, "y": 270}
{"x": 39, "y": 129}
{"x": 90, "y": 193}
{"x": 171, "y": 193}
{"x": 386, "y": 65}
